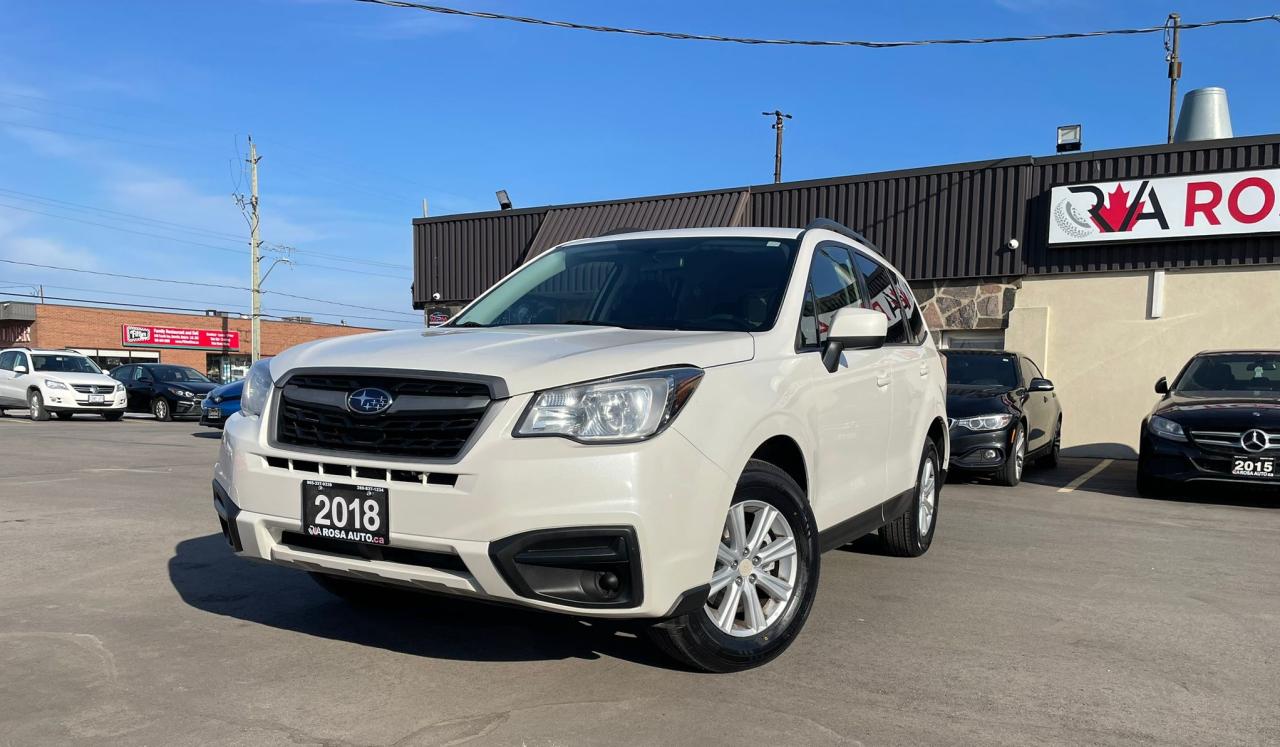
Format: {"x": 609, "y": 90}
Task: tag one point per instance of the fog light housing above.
{"x": 578, "y": 567}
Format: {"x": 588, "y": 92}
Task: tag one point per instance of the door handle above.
{"x": 882, "y": 380}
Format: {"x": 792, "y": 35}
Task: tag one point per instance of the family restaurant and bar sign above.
{"x": 134, "y": 335}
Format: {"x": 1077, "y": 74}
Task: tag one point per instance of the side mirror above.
{"x": 19, "y": 369}
{"x": 1040, "y": 385}
{"x": 853, "y": 328}
{"x": 1162, "y": 385}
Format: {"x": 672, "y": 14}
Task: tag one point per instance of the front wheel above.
{"x": 911, "y": 534}
{"x": 1010, "y": 473}
{"x": 35, "y": 405}
{"x": 160, "y": 408}
{"x": 763, "y": 583}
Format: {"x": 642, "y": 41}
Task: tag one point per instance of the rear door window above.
{"x": 7, "y": 359}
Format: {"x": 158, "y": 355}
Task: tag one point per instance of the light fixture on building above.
{"x": 504, "y": 202}
{"x": 1069, "y": 137}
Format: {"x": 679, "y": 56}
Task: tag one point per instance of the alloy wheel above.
{"x": 33, "y": 404}
{"x": 161, "y": 409}
{"x": 1019, "y": 453}
{"x": 757, "y": 567}
{"x": 928, "y": 496}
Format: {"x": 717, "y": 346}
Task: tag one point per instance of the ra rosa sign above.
{"x": 135, "y": 335}
{"x": 1169, "y": 208}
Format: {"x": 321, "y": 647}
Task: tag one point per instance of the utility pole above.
{"x": 255, "y": 324}
{"x": 777, "y": 147}
{"x": 1173, "y": 28}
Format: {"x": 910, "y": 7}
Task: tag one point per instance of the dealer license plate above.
{"x": 96, "y": 399}
{"x": 349, "y": 513}
{"x": 1254, "y": 466}
{"x": 213, "y": 413}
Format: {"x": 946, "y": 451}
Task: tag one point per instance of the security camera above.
{"x": 1013, "y": 244}
{"x": 435, "y": 296}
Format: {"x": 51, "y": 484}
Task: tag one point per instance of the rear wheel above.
{"x": 35, "y": 405}
{"x": 160, "y": 408}
{"x": 1010, "y": 473}
{"x": 763, "y": 583}
{"x": 911, "y": 534}
{"x": 63, "y": 415}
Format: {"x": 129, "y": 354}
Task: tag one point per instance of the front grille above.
{"x": 1228, "y": 442}
{"x": 429, "y": 419}
{"x": 93, "y": 388}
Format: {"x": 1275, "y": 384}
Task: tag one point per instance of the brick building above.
{"x": 216, "y": 345}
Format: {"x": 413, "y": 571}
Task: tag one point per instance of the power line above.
{"x": 804, "y": 42}
{"x": 165, "y": 308}
{"x": 203, "y": 285}
{"x": 164, "y": 224}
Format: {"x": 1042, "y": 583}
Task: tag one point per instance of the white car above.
{"x": 666, "y": 425}
{"x": 61, "y": 382}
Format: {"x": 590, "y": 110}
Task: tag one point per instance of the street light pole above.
{"x": 255, "y": 323}
{"x": 777, "y": 147}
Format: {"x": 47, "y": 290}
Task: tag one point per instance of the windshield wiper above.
{"x": 588, "y": 323}
{"x": 469, "y": 324}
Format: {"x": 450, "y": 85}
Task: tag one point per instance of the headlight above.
{"x": 257, "y": 385}
{"x": 992, "y": 422}
{"x": 628, "y": 408}
{"x": 119, "y": 388}
{"x": 181, "y": 392}
{"x": 1166, "y": 428}
{"x": 55, "y": 384}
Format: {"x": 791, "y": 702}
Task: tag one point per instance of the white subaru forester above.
{"x": 666, "y": 425}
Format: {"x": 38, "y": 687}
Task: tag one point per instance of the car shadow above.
{"x": 209, "y": 577}
{"x": 211, "y": 434}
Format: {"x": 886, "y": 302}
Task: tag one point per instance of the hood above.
{"x": 967, "y": 402}
{"x": 77, "y": 378}
{"x": 227, "y": 391}
{"x": 199, "y": 387}
{"x": 527, "y": 357}
{"x": 1217, "y": 412}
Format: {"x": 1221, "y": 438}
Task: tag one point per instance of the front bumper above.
{"x": 63, "y": 400}
{"x": 649, "y": 513}
{"x": 186, "y": 408}
{"x": 980, "y": 451}
{"x": 1184, "y": 462}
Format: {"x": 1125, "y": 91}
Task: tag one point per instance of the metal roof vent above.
{"x": 1204, "y": 116}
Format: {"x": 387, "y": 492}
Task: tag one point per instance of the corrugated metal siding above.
{"x": 677, "y": 211}
{"x": 930, "y": 224}
{"x": 460, "y": 257}
{"x": 1175, "y": 160}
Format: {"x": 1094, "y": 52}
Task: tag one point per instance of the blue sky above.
{"x": 361, "y": 111}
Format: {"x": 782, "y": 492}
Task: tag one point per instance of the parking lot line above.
{"x": 1082, "y": 479}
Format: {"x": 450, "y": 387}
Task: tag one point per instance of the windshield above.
{"x": 178, "y": 373}
{"x": 982, "y": 371}
{"x": 691, "y": 283}
{"x": 1241, "y": 373}
{"x": 70, "y": 363}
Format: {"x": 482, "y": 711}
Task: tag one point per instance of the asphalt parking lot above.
{"x": 1039, "y": 616}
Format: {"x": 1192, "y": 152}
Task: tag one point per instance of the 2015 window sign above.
{"x": 1173, "y": 207}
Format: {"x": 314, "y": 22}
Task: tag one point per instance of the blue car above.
{"x": 221, "y": 404}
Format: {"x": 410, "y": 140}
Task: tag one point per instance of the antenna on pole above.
{"x": 777, "y": 147}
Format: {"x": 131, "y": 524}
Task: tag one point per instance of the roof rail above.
{"x": 827, "y": 224}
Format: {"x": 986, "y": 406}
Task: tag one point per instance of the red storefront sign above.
{"x": 137, "y": 335}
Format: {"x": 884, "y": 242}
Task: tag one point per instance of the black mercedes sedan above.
{"x": 1003, "y": 412}
{"x": 1219, "y": 422}
{"x": 164, "y": 390}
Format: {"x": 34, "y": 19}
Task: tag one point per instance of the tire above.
{"x": 161, "y": 409}
{"x": 112, "y": 416}
{"x": 911, "y": 534}
{"x": 35, "y": 405}
{"x": 63, "y": 415}
{"x": 1010, "y": 473}
{"x": 1050, "y": 459}
{"x": 768, "y": 627}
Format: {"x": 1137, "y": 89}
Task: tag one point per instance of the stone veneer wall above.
{"x": 966, "y": 305}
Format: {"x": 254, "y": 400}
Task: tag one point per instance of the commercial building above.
{"x": 216, "y": 345}
{"x": 1109, "y": 268}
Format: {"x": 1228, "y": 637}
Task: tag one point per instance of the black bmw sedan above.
{"x": 1219, "y": 421}
{"x": 1003, "y": 413}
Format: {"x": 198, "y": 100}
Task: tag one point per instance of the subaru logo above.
{"x": 1254, "y": 440}
{"x": 368, "y": 401}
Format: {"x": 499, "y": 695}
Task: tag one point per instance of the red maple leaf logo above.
{"x": 1113, "y": 216}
